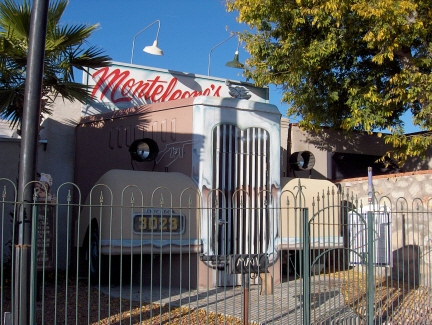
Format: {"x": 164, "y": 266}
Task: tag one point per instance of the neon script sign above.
{"x": 122, "y": 87}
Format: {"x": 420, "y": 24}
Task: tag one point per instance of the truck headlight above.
{"x": 302, "y": 160}
{"x": 144, "y": 150}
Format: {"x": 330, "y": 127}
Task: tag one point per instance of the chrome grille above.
{"x": 241, "y": 183}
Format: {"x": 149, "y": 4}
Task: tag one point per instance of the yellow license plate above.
{"x": 158, "y": 223}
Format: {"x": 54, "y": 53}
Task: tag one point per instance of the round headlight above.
{"x": 144, "y": 150}
{"x": 302, "y": 160}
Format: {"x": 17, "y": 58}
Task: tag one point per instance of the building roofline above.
{"x": 395, "y": 175}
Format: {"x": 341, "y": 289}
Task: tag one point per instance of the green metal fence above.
{"x": 140, "y": 258}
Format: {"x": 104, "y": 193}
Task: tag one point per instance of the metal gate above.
{"x": 380, "y": 275}
{"x": 342, "y": 263}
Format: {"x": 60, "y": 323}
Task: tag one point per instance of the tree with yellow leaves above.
{"x": 346, "y": 64}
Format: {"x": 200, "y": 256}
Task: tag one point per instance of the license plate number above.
{"x": 158, "y": 223}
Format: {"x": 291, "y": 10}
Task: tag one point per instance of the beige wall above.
{"x": 59, "y": 132}
{"x": 56, "y": 148}
{"x": 55, "y": 156}
{"x": 284, "y": 146}
{"x": 9, "y": 158}
{"x": 326, "y": 141}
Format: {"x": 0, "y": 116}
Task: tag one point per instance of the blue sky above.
{"x": 189, "y": 30}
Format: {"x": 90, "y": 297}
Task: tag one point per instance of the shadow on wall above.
{"x": 338, "y": 140}
{"x": 419, "y": 163}
{"x": 406, "y": 265}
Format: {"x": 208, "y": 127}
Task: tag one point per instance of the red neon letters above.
{"x": 119, "y": 87}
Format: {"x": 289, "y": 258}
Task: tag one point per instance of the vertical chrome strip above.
{"x": 224, "y": 200}
{"x": 231, "y": 186}
{"x": 237, "y": 233}
{"x": 215, "y": 194}
{"x": 247, "y": 184}
{"x": 253, "y": 192}
{"x": 241, "y": 168}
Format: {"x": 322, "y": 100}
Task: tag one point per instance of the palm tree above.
{"x": 65, "y": 50}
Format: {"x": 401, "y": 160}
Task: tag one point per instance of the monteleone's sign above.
{"x": 123, "y": 85}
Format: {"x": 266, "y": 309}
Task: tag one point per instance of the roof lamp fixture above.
{"x": 151, "y": 49}
{"x": 144, "y": 150}
{"x": 234, "y": 63}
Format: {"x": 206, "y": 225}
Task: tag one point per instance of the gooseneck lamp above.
{"x": 151, "y": 49}
{"x": 235, "y": 63}
{"x": 232, "y": 64}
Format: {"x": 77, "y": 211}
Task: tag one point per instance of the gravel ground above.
{"x": 395, "y": 303}
{"x": 87, "y": 305}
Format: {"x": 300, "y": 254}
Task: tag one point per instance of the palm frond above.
{"x": 55, "y": 12}
{"x": 92, "y": 57}
{"x": 65, "y": 50}
{"x": 73, "y": 91}
{"x": 11, "y": 104}
{"x": 15, "y": 19}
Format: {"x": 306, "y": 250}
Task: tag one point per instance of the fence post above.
{"x": 370, "y": 290}
{"x": 306, "y": 269}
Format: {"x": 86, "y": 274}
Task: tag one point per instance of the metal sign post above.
{"x": 244, "y": 264}
{"x": 370, "y": 251}
{"x": 247, "y": 264}
{"x": 27, "y": 171}
{"x": 245, "y": 286}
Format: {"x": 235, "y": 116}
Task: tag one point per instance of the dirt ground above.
{"x": 395, "y": 303}
{"x": 78, "y": 302}
{"x": 87, "y": 305}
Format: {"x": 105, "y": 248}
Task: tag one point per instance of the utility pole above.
{"x": 23, "y": 312}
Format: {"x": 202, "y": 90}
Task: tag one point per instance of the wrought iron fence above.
{"x": 317, "y": 256}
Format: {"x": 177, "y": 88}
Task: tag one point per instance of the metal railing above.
{"x": 137, "y": 258}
